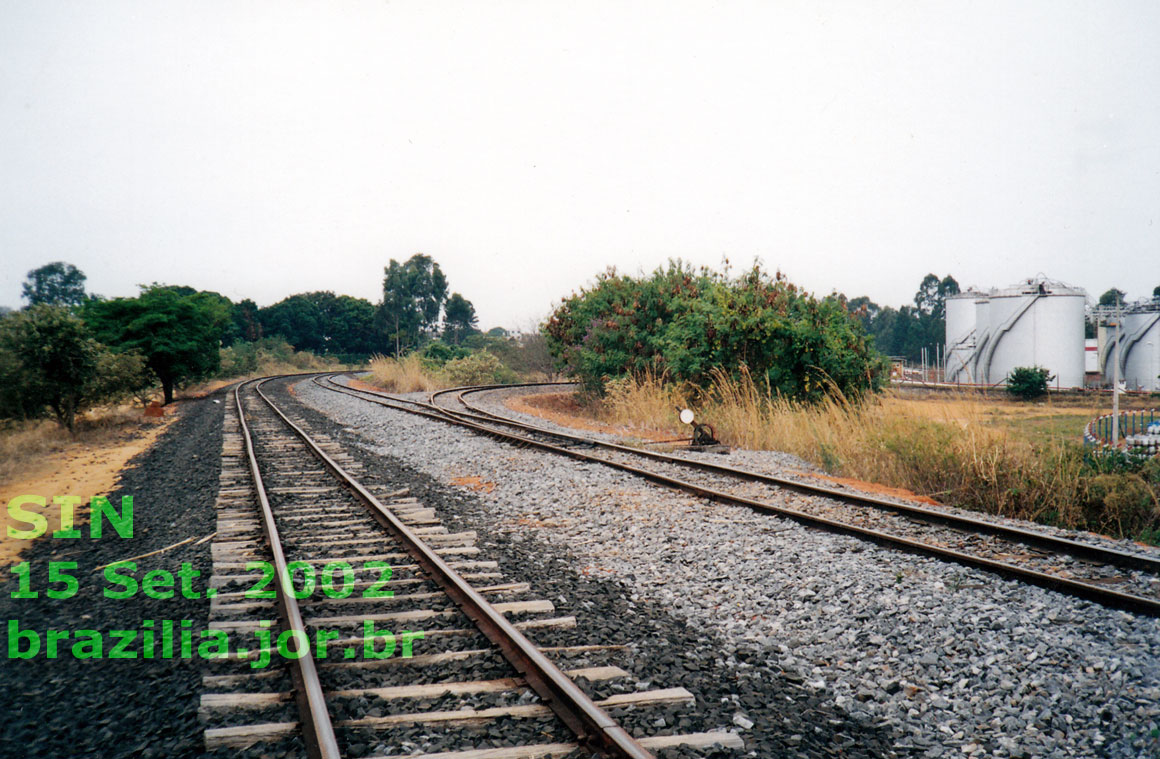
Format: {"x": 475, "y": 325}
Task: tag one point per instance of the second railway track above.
{"x": 1112, "y": 577}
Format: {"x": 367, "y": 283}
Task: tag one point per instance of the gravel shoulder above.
{"x": 104, "y": 707}
{"x": 896, "y": 652}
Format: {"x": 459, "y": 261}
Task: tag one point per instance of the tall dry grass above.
{"x": 947, "y": 450}
{"x": 405, "y": 375}
{"x": 645, "y": 402}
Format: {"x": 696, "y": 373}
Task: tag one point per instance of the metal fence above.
{"x": 1135, "y": 429}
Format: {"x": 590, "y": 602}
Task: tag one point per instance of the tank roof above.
{"x": 1040, "y": 284}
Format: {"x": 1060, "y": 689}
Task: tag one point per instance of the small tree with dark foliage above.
{"x": 49, "y": 361}
{"x": 54, "y": 284}
{"x": 1028, "y": 382}
{"x": 459, "y": 319}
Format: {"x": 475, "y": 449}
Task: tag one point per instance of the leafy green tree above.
{"x": 459, "y": 319}
{"x": 123, "y": 375}
{"x": 323, "y": 323}
{"x": 178, "y": 334}
{"x": 51, "y": 361}
{"x": 1156, "y": 291}
{"x": 299, "y": 319}
{"x": 413, "y": 296}
{"x": 54, "y": 284}
{"x": 907, "y": 330}
{"x": 691, "y": 324}
{"x": 931, "y": 297}
{"x": 13, "y": 401}
{"x": 864, "y": 310}
{"x": 1028, "y": 382}
{"x": 351, "y": 327}
{"x": 244, "y": 316}
{"x": 230, "y": 331}
{"x": 1112, "y": 297}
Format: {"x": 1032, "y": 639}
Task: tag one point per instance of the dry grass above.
{"x": 963, "y": 450}
{"x": 26, "y": 446}
{"x": 405, "y": 375}
{"x": 647, "y": 402}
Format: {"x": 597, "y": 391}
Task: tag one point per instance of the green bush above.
{"x": 121, "y": 376}
{"x": 479, "y": 368}
{"x": 1028, "y": 382}
{"x": 1116, "y": 461}
{"x": 439, "y": 353}
{"x": 238, "y": 360}
{"x": 1122, "y": 505}
{"x": 684, "y": 324}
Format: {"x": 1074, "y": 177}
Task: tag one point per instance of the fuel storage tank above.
{"x": 1036, "y": 323}
{"x": 1139, "y": 348}
{"x": 960, "y": 335}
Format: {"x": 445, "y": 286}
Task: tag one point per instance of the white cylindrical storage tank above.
{"x": 1141, "y": 358}
{"x": 1040, "y": 324}
{"x": 960, "y": 337}
{"x": 982, "y": 335}
{"x": 1111, "y": 335}
{"x": 1004, "y": 348}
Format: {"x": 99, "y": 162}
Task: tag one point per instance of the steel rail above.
{"x": 314, "y": 717}
{"x": 591, "y": 725}
{"x": 1098, "y": 594}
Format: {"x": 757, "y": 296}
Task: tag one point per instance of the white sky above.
{"x": 266, "y": 148}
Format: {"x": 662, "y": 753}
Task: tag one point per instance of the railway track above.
{"x": 1114, "y": 578}
{"x": 392, "y": 635}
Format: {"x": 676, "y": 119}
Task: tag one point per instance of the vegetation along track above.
{"x": 362, "y": 566}
{"x": 1109, "y": 576}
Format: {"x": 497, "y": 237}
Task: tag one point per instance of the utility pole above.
{"x": 1116, "y": 378}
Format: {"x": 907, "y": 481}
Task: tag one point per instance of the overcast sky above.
{"x": 261, "y": 149}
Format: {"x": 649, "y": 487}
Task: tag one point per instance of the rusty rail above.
{"x": 314, "y": 717}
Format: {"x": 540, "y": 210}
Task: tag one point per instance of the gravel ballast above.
{"x": 735, "y": 688}
{"x": 807, "y": 631}
{"x": 104, "y": 707}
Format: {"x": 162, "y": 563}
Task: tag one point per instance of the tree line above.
{"x": 67, "y": 349}
{"x": 905, "y": 331}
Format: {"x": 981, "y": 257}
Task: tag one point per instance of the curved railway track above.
{"x": 290, "y": 506}
{"x": 1111, "y": 577}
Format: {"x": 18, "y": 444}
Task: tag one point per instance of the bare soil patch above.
{"x": 873, "y": 488}
{"x": 357, "y": 384}
{"x": 83, "y": 469}
{"x": 474, "y": 483}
